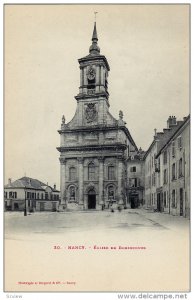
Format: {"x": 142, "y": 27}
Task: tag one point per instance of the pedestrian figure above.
{"x": 119, "y": 208}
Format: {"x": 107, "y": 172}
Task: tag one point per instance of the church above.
{"x": 95, "y": 148}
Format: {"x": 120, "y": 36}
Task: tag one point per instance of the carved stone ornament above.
{"x": 62, "y": 160}
{"x": 91, "y": 73}
{"x": 91, "y": 112}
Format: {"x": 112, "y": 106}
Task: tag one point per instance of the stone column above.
{"x": 85, "y": 81}
{"x": 85, "y": 76}
{"x": 120, "y": 180}
{"x": 102, "y": 75}
{"x": 97, "y": 74}
{"x": 101, "y": 179}
{"x": 81, "y": 180}
{"x": 63, "y": 184}
{"x": 81, "y": 76}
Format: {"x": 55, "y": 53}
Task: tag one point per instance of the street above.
{"x": 131, "y": 250}
{"x": 129, "y": 220}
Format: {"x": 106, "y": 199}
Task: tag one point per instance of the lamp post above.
{"x": 25, "y": 209}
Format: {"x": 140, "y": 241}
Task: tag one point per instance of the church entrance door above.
{"x": 91, "y": 199}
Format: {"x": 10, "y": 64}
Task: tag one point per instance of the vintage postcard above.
{"x": 97, "y": 148}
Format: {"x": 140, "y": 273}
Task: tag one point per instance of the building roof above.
{"x": 162, "y": 138}
{"x": 174, "y": 133}
{"x": 30, "y": 183}
{"x": 26, "y": 182}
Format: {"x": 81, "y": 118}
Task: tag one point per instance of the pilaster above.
{"x": 101, "y": 178}
{"x": 120, "y": 180}
{"x": 63, "y": 181}
{"x": 81, "y": 180}
{"x": 85, "y": 76}
{"x": 97, "y": 78}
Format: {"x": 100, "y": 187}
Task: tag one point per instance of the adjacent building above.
{"x": 31, "y": 194}
{"x": 167, "y": 169}
{"x": 173, "y": 184}
{"x": 135, "y": 179}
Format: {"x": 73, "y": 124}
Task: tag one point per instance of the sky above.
{"x": 147, "y": 47}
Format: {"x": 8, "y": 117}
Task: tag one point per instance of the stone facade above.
{"x": 167, "y": 169}
{"x": 173, "y": 185}
{"x": 94, "y": 146}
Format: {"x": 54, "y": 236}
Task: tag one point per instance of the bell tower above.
{"x": 94, "y": 70}
{"x": 94, "y": 145}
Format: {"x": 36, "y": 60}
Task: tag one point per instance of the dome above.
{"x": 94, "y": 48}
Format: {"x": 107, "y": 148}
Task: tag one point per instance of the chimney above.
{"x": 174, "y": 120}
{"x": 54, "y": 186}
{"x": 171, "y": 122}
{"x": 9, "y": 181}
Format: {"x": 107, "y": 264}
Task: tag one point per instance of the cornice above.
{"x": 115, "y": 147}
{"x": 96, "y": 58}
{"x": 96, "y": 95}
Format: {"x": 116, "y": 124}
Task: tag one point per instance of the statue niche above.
{"x": 72, "y": 194}
{"x": 111, "y": 193}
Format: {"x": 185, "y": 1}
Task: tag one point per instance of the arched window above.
{"x": 91, "y": 171}
{"x": 111, "y": 172}
{"x": 72, "y": 173}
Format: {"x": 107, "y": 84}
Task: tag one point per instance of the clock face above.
{"x": 91, "y": 73}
